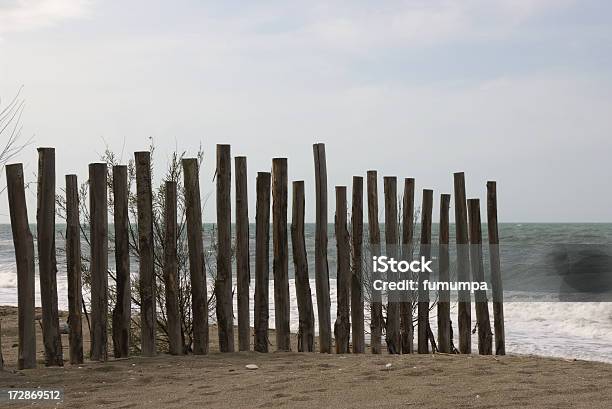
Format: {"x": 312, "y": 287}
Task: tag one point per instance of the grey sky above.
{"x": 518, "y": 91}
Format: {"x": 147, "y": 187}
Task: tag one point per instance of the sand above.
{"x": 313, "y": 380}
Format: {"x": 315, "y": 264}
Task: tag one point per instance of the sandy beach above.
{"x": 313, "y": 380}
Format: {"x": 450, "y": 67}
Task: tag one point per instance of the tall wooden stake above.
{"x": 423, "y": 304}
{"x": 262, "y": 262}
{"x": 407, "y": 328}
{"x": 243, "y": 268}
{"x": 463, "y": 265}
{"x": 197, "y": 269}
{"x": 342, "y": 327}
{"x": 171, "y": 284}
{"x": 485, "y": 337}
{"x": 146, "y": 246}
{"x": 306, "y": 331}
{"x": 122, "y": 313}
{"x": 357, "y": 266}
{"x": 321, "y": 266}
{"x": 391, "y": 240}
{"x": 281, "y": 254}
{"x": 45, "y": 224}
{"x": 98, "y": 211}
{"x": 376, "y": 318}
{"x": 73, "y": 270}
{"x": 24, "y": 257}
{"x": 444, "y": 320}
{"x": 496, "y": 280}
{"x": 223, "y": 283}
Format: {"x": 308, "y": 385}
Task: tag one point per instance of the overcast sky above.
{"x": 519, "y": 91}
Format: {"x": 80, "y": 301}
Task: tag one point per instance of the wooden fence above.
{"x": 271, "y": 206}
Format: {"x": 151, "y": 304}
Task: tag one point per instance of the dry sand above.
{"x": 315, "y": 380}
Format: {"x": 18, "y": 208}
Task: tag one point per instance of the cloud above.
{"x": 25, "y": 15}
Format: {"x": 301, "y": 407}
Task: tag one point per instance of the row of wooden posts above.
{"x": 271, "y": 191}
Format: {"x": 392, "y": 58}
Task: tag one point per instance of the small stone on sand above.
{"x": 252, "y": 366}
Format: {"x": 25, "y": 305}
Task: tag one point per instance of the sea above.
{"x": 571, "y": 330}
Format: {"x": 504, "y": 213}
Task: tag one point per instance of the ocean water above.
{"x": 581, "y": 330}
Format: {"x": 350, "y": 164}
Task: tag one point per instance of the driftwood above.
{"x": 357, "y": 266}
{"x": 122, "y": 313}
{"x": 391, "y": 239}
{"x": 321, "y": 266}
{"x": 243, "y": 269}
{"x": 223, "y": 282}
{"x": 262, "y": 262}
{"x": 423, "y": 304}
{"x": 444, "y": 321}
{"x": 306, "y": 330}
{"x": 146, "y": 253}
{"x": 496, "y": 281}
{"x": 342, "y": 326}
{"x": 73, "y": 270}
{"x": 376, "y": 319}
{"x": 485, "y": 337}
{"x": 197, "y": 269}
{"x": 24, "y": 257}
{"x": 171, "y": 284}
{"x": 464, "y": 308}
{"x": 281, "y": 254}
{"x": 406, "y": 325}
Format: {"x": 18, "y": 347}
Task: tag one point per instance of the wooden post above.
{"x": 464, "y": 307}
{"x": 407, "y": 328}
{"x": 321, "y": 266}
{"x": 342, "y": 327}
{"x": 444, "y": 321}
{"x": 391, "y": 239}
{"x": 306, "y": 331}
{"x": 243, "y": 269}
{"x": 173, "y": 315}
{"x": 122, "y": 313}
{"x": 496, "y": 280}
{"x": 197, "y": 269}
{"x": 24, "y": 257}
{"x": 262, "y": 262}
{"x": 423, "y": 304}
{"x": 357, "y": 266}
{"x": 281, "y": 254}
{"x": 485, "y": 337}
{"x": 144, "y": 194}
{"x": 376, "y": 318}
{"x": 73, "y": 270}
{"x": 45, "y": 225}
{"x": 223, "y": 283}
{"x": 99, "y": 260}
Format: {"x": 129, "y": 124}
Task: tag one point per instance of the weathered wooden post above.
{"x": 464, "y": 308}
{"x": 496, "y": 280}
{"x": 73, "y": 270}
{"x": 444, "y": 321}
{"x": 24, "y": 257}
{"x": 262, "y": 262}
{"x": 342, "y": 326}
{"x": 171, "y": 284}
{"x": 223, "y": 283}
{"x": 281, "y": 254}
{"x": 391, "y": 239}
{"x": 485, "y": 337}
{"x": 321, "y": 266}
{"x": 122, "y": 313}
{"x": 98, "y": 211}
{"x": 306, "y": 331}
{"x": 197, "y": 269}
{"x": 376, "y": 318}
{"x": 357, "y": 266}
{"x": 45, "y": 225}
{"x": 407, "y": 328}
{"x": 423, "y": 304}
{"x": 146, "y": 247}
{"x": 243, "y": 269}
